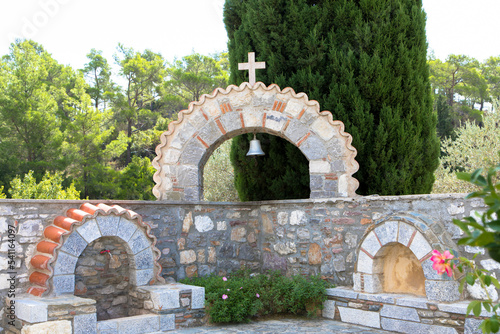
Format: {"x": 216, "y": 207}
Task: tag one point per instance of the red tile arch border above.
{"x": 52, "y": 269}
{"x": 227, "y": 113}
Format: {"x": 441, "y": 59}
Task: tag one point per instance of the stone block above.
{"x": 405, "y": 232}
{"x": 203, "y": 223}
{"x": 371, "y": 244}
{"x": 187, "y": 256}
{"x": 59, "y": 327}
{"x": 144, "y": 259}
{"x": 446, "y": 291}
{"x": 143, "y": 277}
{"x": 65, "y": 264}
{"x": 323, "y": 128}
{"x": 365, "y": 263}
{"x": 108, "y": 224}
{"x": 85, "y": 324}
{"x": 432, "y": 274}
{"x": 419, "y": 246}
{"x": 402, "y": 326}
{"x": 63, "y": 284}
{"x": 380, "y": 298}
{"x": 298, "y": 217}
{"x": 387, "y": 232}
{"x": 31, "y": 310}
{"x": 319, "y": 167}
{"x": 471, "y": 326}
{"x": 398, "y": 312}
{"x": 274, "y": 262}
{"x": 417, "y": 302}
{"x": 126, "y": 229}
{"x": 192, "y": 153}
{"x": 188, "y": 176}
{"x": 139, "y": 241}
{"x": 275, "y": 121}
{"x": 359, "y": 317}
{"x": 238, "y": 234}
{"x": 89, "y": 231}
{"x": 369, "y": 283}
{"x": 285, "y": 248}
{"x": 210, "y": 133}
{"x": 342, "y": 293}
{"x": 295, "y": 131}
{"x": 74, "y": 244}
{"x": 167, "y": 322}
{"x": 328, "y": 309}
{"x": 164, "y": 297}
{"x": 231, "y": 121}
{"x": 458, "y": 307}
{"x": 139, "y": 324}
{"x": 313, "y": 148}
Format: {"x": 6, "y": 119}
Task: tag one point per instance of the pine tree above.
{"x": 365, "y": 61}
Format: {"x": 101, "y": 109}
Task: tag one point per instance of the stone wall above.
{"x": 318, "y": 236}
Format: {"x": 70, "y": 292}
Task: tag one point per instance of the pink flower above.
{"x": 241, "y": 288}
{"x": 224, "y": 296}
{"x": 224, "y": 279}
{"x": 441, "y": 263}
{"x": 258, "y": 296}
{"x": 228, "y": 290}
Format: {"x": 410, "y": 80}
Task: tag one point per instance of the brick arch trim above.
{"x": 414, "y": 231}
{"x": 53, "y": 265}
{"x": 233, "y": 111}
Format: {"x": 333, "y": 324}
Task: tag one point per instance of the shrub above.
{"x": 241, "y": 295}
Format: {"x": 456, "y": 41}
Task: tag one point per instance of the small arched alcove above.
{"x": 394, "y": 257}
{"x": 236, "y": 110}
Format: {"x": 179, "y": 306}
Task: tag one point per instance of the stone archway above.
{"x": 408, "y": 234}
{"x": 53, "y": 265}
{"x": 233, "y": 111}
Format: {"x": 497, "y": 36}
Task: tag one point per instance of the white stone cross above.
{"x": 251, "y": 66}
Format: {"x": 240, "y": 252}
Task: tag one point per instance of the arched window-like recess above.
{"x": 248, "y": 109}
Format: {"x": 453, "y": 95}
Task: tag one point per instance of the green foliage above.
{"x": 136, "y": 180}
{"x": 218, "y": 176}
{"x": 283, "y": 173}
{"x": 243, "y": 295}
{"x": 471, "y": 149}
{"x": 50, "y": 187}
{"x": 365, "y": 61}
{"x": 2, "y": 195}
{"x": 445, "y": 118}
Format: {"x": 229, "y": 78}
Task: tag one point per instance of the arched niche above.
{"x": 233, "y": 111}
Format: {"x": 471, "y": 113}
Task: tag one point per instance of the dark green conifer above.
{"x": 365, "y": 61}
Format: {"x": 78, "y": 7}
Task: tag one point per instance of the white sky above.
{"x": 70, "y": 28}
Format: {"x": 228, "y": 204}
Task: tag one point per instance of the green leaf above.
{"x": 477, "y": 309}
{"x": 472, "y": 305}
{"x": 487, "y": 280}
{"x": 470, "y": 279}
{"x": 487, "y": 306}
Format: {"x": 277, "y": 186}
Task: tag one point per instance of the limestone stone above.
{"x": 187, "y": 256}
{"x": 203, "y": 223}
{"x": 85, "y": 324}
{"x": 251, "y": 237}
{"x": 49, "y": 327}
{"x": 221, "y": 226}
{"x": 191, "y": 271}
{"x": 477, "y": 292}
{"x": 328, "y": 309}
{"x": 402, "y": 326}
{"x": 419, "y": 246}
{"x": 238, "y": 234}
{"x": 139, "y": 241}
{"x": 200, "y": 254}
{"x": 455, "y": 209}
{"x": 471, "y": 326}
{"x": 187, "y": 222}
{"x": 283, "y": 218}
{"x": 32, "y": 311}
{"x": 181, "y": 243}
{"x": 285, "y": 248}
{"x": 371, "y": 244}
{"x": 212, "y": 257}
{"x": 314, "y": 254}
{"x": 351, "y": 240}
{"x": 298, "y": 217}
{"x": 303, "y": 233}
{"x": 267, "y": 225}
{"x": 387, "y": 232}
{"x": 359, "y": 317}
{"x": 490, "y": 264}
{"x": 319, "y": 167}
{"x": 446, "y": 291}
{"x": 398, "y": 312}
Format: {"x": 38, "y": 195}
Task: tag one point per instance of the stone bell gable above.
{"x": 233, "y": 111}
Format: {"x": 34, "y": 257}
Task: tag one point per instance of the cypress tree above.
{"x": 365, "y": 61}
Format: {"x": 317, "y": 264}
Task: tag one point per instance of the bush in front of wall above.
{"x": 240, "y": 296}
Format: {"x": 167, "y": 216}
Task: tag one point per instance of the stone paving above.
{"x": 289, "y": 326}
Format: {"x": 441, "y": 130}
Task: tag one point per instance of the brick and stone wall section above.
{"x": 314, "y": 236}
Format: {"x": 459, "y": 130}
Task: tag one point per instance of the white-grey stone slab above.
{"x": 398, "y": 312}
{"x": 164, "y": 297}
{"x": 471, "y": 326}
{"x": 139, "y": 241}
{"x": 203, "y": 223}
{"x": 418, "y": 302}
{"x": 365, "y": 263}
{"x": 419, "y": 246}
{"x": 444, "y": 291}
{"x": 89, "y": 231}
{"x": 144, "y": 259}
{"x": 381, "y": 298}
{"x": 387, "y": 232}
{"x": 359, "y": 317}
{"x": 125, "y": 229}
{"x": 85, "y": 324}
{"x": 342, "y": 292}
{"x": 74, "y": 244}
{"x": 328, "y": 309}
{"x": 371, "y": 244}
{"x": 138, "y": 324}
{"x": 31, "y": 310}
{"x": 63, "y": 284}
{"x": 405, "y": 232}
{"x": 65, "y": 264}
{"x": 167, "y": 322}
{"x": 143, "y": 277}
{"x": 108, "y": 224}
{"x": 402, "y": 326}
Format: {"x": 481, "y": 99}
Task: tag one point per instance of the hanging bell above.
{"x": 255, "y": 149}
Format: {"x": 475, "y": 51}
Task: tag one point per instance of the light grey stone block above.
{"x": 192, "y": 153}
{"x": 30, "y": 310}
{"x": 143, "y": 277}
{"x": 402, "y": 326}
{"x": 108, "y": 224}
{"x": 167, "y": 322}
{"x": 144, "y": 259}
{"x": 371, "y": 244}
{"x": 295, "y": 131}
{"x": 471, "y": 326}
{"x": 387, "y": 232}
{"x": 329, "y": 309}
{"x": 313, "y": 148}
{"x": 139, "y": 241}
{"x": 126, "y": 229}
{"x": 419, "y": 246}
{"x": 445, "y": 291}
{"x": 107, "y": 326}
{"x": 381, "y": 298}
{"x": 89, "y": 231}
{"x": 418, "y": 302}
{"x": 74, "y": 244}
{"x": 369, "y": 283}
{"x": 164, "y": 297}
{"x": 359, "y": 317}
{"x": 231, "y": 121}
{"x": 203, "y": 223}
{"x": 365, "y": 263}
{"x": 398, "y": 312}
{"x": 85, "y": 324}
{"x": 197, "y": 297}
{"x": 432, "y": 274}
{"x": 63, "y": 284}
{"x": 405, "y": 232}
{"x": 65, "y": 264}
{"x": 458, "y": 307}
{"x": 342, "y": 292}
{"x": 139, "y": 324}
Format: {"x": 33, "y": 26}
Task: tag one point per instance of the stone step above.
{"x": 139, "y": 324}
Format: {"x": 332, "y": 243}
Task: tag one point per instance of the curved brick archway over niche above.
{"x": 52, "y": 270}
{"x": 416, "y": 233}
{"x": 233, "y": 111}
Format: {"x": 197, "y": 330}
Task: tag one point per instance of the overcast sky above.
{"x": 70, "y": 28}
